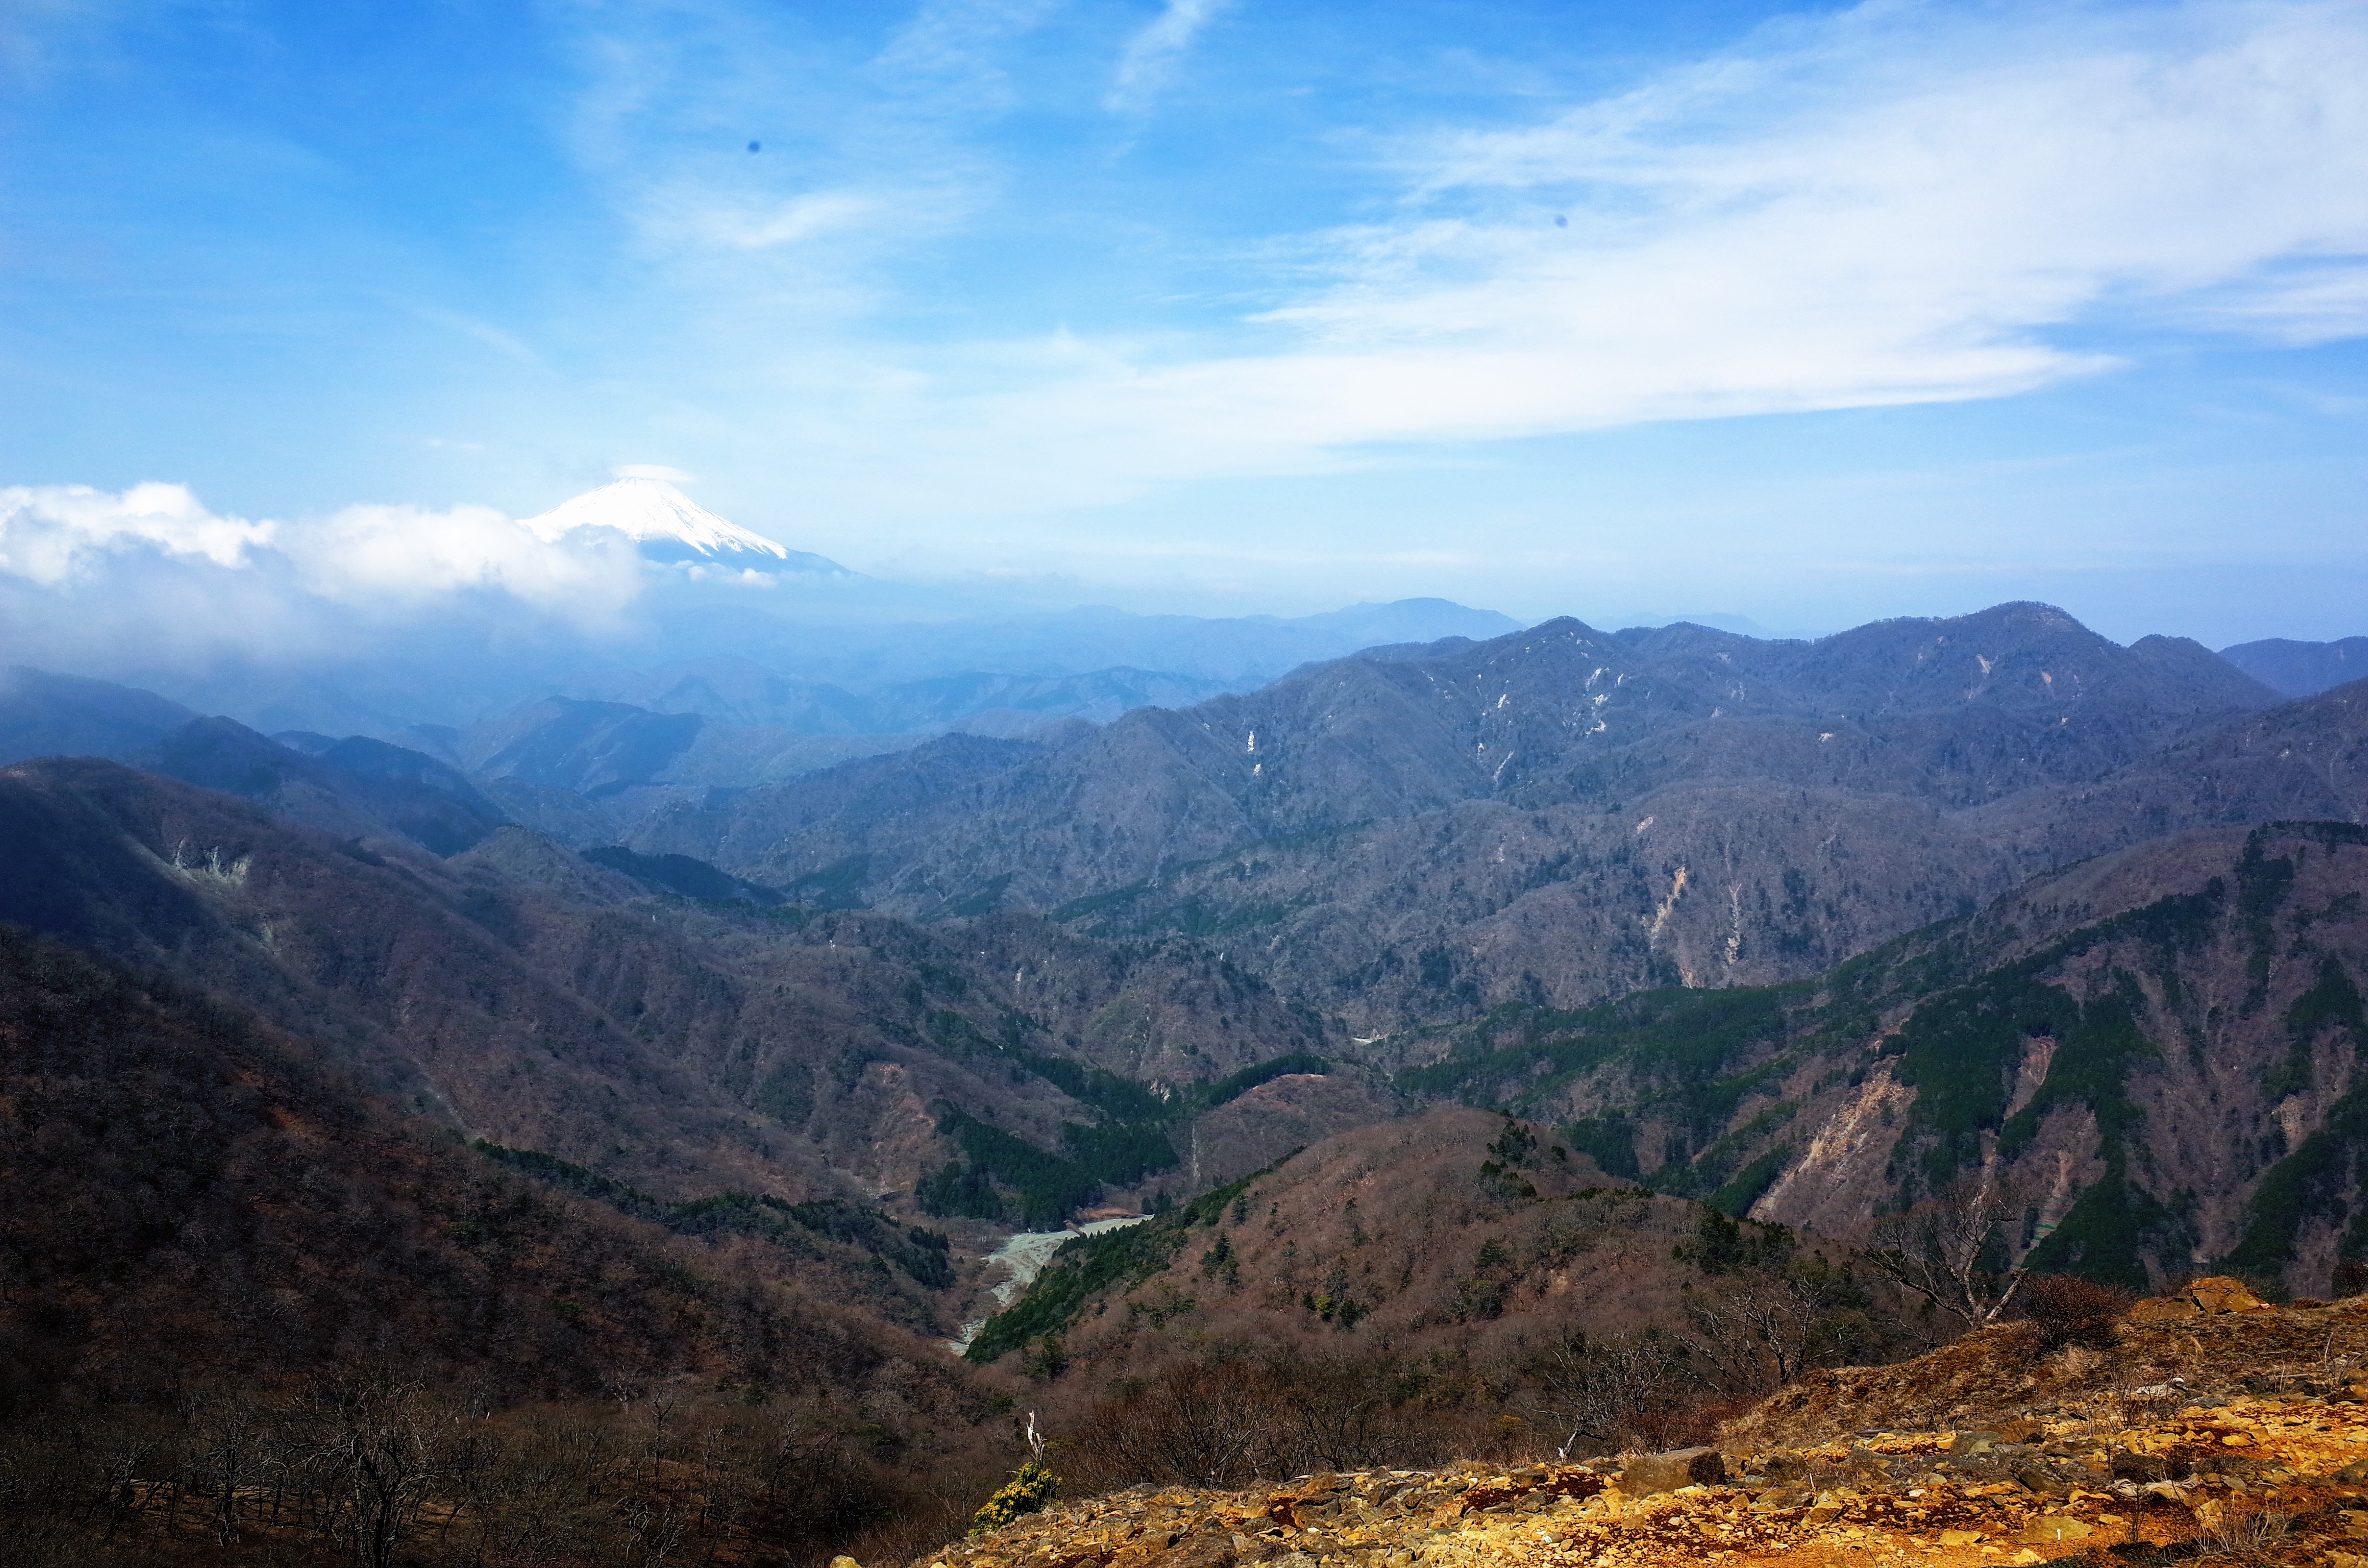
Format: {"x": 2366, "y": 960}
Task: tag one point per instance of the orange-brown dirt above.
{"x": 2235, "y": 1434}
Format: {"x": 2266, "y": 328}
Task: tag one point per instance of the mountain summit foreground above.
{"x": 2206, "y": 1425}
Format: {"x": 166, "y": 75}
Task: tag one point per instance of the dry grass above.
{"x": 2245, "y": 1538}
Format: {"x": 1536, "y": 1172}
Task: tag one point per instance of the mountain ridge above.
{"x": 1432, "y": 800}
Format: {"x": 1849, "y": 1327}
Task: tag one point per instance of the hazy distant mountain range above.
{"x": 1556, "y": 815}
{"x": 840, "y": 670}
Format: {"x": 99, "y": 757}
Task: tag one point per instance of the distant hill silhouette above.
{"x": 2301, "y": 669}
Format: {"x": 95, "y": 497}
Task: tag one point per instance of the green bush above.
{"x": 1026, "y": 1492}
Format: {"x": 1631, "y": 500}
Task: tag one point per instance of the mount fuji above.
{"x": 668, "y": 526}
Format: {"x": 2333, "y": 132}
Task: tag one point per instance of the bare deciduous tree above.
{"x": 236, "y": 1444}
{"x": 1613, "y": 1389}
{"x": 1191, "y": 1423}
{"x": 1948, "y": 1249}
{"x": 377, "y": 1456}
{"x": 1760, "y": 1329}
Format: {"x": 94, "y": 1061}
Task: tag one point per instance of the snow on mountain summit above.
{"x": 669, "y": 526}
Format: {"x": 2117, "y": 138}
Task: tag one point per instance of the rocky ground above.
{"x": 2205, "y": 1427}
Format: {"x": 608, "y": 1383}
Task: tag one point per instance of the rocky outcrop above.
{"x": 1650, "y": 1473}
{"x": 2201, "y": 1298}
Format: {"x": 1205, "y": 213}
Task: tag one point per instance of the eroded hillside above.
{"x": 2156, "y": 1053}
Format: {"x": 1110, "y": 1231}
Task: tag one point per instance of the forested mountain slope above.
{"x": 1451, "y": 1239}
{"x": 43, "y": 714}
{"x": 2158, "y": 1052}
{"x": 356, "y": 785}
{"x": 195, "y": 1196}
{"x": 249, "y": 1313}
{"x": 2303, "y": 760}
{"x": 1558, "y": 815}
{"x": 683, "y": 1045}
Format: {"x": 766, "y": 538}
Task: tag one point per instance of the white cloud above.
{"x": 1152, "y": 55}
{"x": 704, "y": 218}
{"x": 1902, "y": 203}
{"x": 653, "y": 470}
{"x": 394, "y": 559}
{"x": 57, "y": 535}
{"x": 86, "y": 574}
{"x": 1899, "y": 203}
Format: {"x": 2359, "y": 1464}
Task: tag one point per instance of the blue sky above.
{"x": 1812, "y": 315}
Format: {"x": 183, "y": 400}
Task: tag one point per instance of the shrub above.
{"x": 1026, "y": 1492}
{"x": 1228, "y": 1421}
{"x": 2067, "y": 1309}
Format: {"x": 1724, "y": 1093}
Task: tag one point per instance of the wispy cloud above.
{"x": 857, "y": 334}
{"x": 2313, "y": 301}
{"x": 714, "y": 220}
{"x": 1899, "y": 204}
{"x": 861, "y": 163}
{"x": 1153, "y": 52}
{"x": 958, "y": 47}
{"x": 506, "y": 343}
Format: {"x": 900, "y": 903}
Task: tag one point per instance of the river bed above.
{"x": 1026, "y": 1254}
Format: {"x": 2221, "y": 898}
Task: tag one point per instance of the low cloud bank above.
{"x": 101, "y": 581}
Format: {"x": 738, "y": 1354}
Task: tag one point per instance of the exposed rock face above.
{"x": 1892, "y": 1493}
{"x": 2159, "y": 1051}
{"x": 2204, "y": 1297}
{"x": 2308, "y": 1361}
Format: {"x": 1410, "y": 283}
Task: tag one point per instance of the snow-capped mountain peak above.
{"x": 666, "y": 524}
